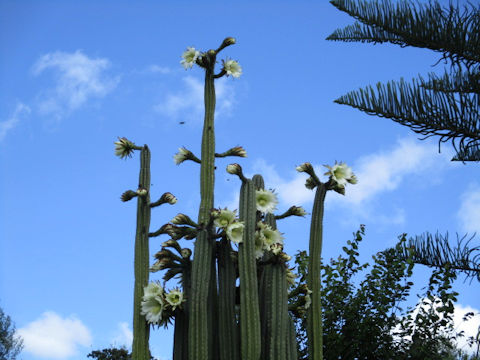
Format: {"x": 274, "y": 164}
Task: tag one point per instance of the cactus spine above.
{"x": 250, "y": 336}
{"x": 314, "y": 313}
{"x": 203, "y": 251}
{"x": 141, "y": 329}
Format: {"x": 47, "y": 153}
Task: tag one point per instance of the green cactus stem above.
{"x": 180, "y": 336}
{"x": 314, "y": 313}
{"x": 250, "y": 336}
{"x": 276, "y": 305}
{"x": 227, "y": 324}
{"x": 203, "y": 251}
{"x": 203, "y": 260}
{"x": 141, "y": 329}
{"x": 292, "y": 352}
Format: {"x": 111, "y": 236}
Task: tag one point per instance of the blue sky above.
{"x": 78, "y": 75}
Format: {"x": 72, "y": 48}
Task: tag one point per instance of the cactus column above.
{"x": 203, "y": 255}
{"x": 314, "y": 314}
{"x": 141, "y": 329}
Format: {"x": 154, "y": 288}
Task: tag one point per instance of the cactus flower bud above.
{"x": 238, "y": 151}
{"x": 310, "y": 183}
{"x": 339, "y": 189}
{"x": 290, "y": 275}
{"x": 168, "y": 198}
{"x": 186, "y": 253}
{"x": 128, "y": 195}
{"x": 305, "y": 167}
{"x": 234, "y": 169}
{"x": 142, "y": 192}
{"x": 182, "y": 219}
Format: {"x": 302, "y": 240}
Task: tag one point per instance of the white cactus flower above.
{"x": 266, "y": 201}
{"x": 152, "y": 309}
{"x": 341, "y": 173}
{"x": 223, "y": 218}
{"x": 181, "y": 156}
{"x": 124, "y": 148}
{"x": 260, "y": 245}
{"x": 232, "y": 68}
{"x": 272, "y": 236}
{"x": 235, "y": 232}
{"x": 174, "y": 298}
{"x": 190, "y": 56}
{"x": 152, "y": 289}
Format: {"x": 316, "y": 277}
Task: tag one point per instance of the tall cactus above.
{"x": 141, "y": 328}
{"x": 314, "y": 314}
{"x": 227, "y": 324}
{"x": 203, "y": 251}
{"x": 207, "y": 324}
{"x": 250, "y": 335}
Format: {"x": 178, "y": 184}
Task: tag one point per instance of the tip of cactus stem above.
{"x": 229, "y": 41}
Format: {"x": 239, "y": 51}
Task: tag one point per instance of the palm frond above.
{"x": 452, "y": 116}
{"x": 453, "y": 31}
{"x": 436, "y": 251}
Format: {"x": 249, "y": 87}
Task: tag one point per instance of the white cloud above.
{"x": 385, "y": 171}
{"x": 188, "y": 103}
{"x": 78, "y": 78}
{"x": 377, "y": 174}
{"x": 20, "y": 111}
{"x": 54, "y": 337}
{"x": 469, "y": 212}
{"x": 124, "y": 335}
{"x": 470, "y": 327}
{"x": 156, "y": 69}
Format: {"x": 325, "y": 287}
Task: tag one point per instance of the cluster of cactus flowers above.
{"x": 234, "y": 298}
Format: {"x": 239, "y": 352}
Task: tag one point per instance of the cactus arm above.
{"x": 250, "y": 336}
{"x": 314, "y": 313}
{"x": 141, "y": 329}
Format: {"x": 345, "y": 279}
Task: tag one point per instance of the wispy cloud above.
{"x": 20, "y": 111}
{"x": 157, "y": 69}
{"x": 377, "y": 173}
{"x": 188, "y": 102}
{"x": 54, "y": 337}
{"x": 124, "y": 335}
{"x": 78, "y": 78}
{"x": 469, "y": 212}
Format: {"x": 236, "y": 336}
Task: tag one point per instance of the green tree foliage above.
{"x": 112, "y": 353}
{"x": 445, "y": 105}
{"x": 10, "y": 345}
{"x": 364, "y": 318}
